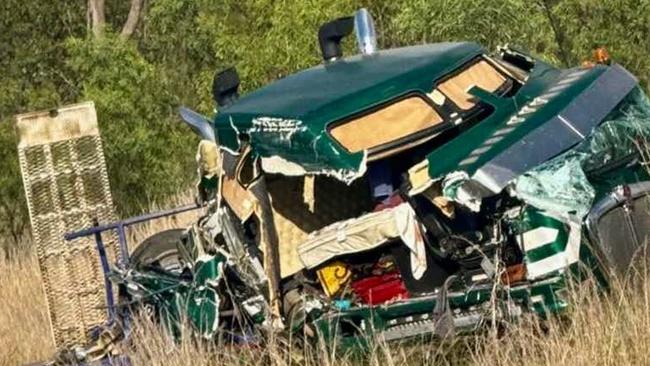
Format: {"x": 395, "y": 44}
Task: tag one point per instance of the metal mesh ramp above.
{"x": 66, "y": 185}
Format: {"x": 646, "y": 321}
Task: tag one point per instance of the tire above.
{"x": 159, "y": 250}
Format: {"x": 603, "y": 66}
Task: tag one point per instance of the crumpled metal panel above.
{"x": 66, "y": 186}
{"x": 195, "y": 298}
{"x": 562, "y": 185}
{"x": 619, "y": 224}
{"x": 288, "y": 120}
{"x": 567, "y": 128}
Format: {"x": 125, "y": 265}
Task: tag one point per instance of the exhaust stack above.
{"x": 332, "y": 33}
{"x": 365, "y": 30}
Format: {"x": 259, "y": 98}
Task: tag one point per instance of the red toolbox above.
{"x": 375, "y": 290}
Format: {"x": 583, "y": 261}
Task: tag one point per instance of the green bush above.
{"x": 148, "y": 150}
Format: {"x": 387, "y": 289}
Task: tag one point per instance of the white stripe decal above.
{"x": 568, "y": 80}
{"x": 503, "y": 131}
{"x": 481, "y": 150}
{"x": 568, "y": 124}
{"x": 538, "y": 101}
{"x": 515, "y": 120}
{"x": 493, "y": 140}
{"x": 560, "y": 260}
{"x": 470, "y": 160}
{"x": 537, "y": 298}
{"x": 527, "y": 110}
{"x": 550, "y": 95}
{"x": 557, "y": 88}
{"x": 538, "y": 237}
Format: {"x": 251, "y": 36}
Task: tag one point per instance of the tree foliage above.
{"x": 49, "y": 56}
{"x": 148, "y": 152}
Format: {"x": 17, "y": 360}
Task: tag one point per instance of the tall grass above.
{"x": 25, "y": 334}
{"x": 139, "y": 232}
{"x": 24, "y": 323}
{"x": 151, "y": 345}
{"x": 599, "y": 329}
{"x": 610, "y": 329}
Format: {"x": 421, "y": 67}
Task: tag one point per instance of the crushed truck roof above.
{"x": 289, "y": 122}
{"x": 289, "y": 117}
{"x": 325, "y": 93}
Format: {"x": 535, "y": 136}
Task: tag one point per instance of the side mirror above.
{"x": 198, "y": 123}
{"x": 225, "y": 87}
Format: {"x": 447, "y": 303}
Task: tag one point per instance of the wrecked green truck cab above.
{"x": 414, "y": 191}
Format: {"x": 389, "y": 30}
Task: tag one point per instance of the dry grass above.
{"x": 24, "y": 324}
{"x": 139, "y": 232}
{"x": 25, "y": 334}
{"x": 153, "y": 346}
{"x": 613, "y": 329}
{"x": 598, "y": 330}
{"x": 605, "y": 330}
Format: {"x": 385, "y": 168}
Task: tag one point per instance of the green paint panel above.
{"x": 532, "y": 219}
{"x": 448, "y": 157}
{"x": 202, "y": 300}
{"x": 306, "y": 102}
{"x": 377, "y": 318}
{"x": 178, "y": 298}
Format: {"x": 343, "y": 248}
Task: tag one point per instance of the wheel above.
{"x": 161, "y": 250}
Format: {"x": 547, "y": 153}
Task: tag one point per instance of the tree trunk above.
{"x": 132, "y": 20}
{"x": 97, "y": 16}
{"x": 560, "y": 39}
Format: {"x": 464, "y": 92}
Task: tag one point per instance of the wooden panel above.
{"x": 481, "y": 74}
{"x": 392, "y": 123}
